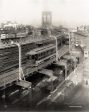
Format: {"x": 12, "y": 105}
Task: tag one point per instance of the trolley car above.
{"x": 40, "y": 55}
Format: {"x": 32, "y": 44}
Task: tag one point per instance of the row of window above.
{"x": 42, "y": 55}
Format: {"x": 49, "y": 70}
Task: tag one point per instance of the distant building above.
{"x": 47, "y": 19}
{"x": 9, "y": 24}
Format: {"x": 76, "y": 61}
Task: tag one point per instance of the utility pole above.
{"x": 57, "y": 55}
{"x": 19, "y": 48}
{"x": 71, "y": 42}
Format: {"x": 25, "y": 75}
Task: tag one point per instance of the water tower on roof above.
{"x": 47, "y": 19}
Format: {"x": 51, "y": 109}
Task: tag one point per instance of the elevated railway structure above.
{"x": 28, "y": 70}
{"x": 9, "y": 62}
{"x": 37, "y": 94}
{"x": 11, "y": 77}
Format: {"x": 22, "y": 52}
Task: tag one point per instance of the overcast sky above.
{"x": 69, "y": 12}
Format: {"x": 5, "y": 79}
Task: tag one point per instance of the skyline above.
{"x": 64, "y": 12}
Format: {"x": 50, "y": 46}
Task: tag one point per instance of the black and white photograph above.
{"x": 44, "y": 55}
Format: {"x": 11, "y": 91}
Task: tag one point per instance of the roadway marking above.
{"x": 75, "y": 106}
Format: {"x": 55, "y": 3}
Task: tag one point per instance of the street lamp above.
{"x": 57, "y": 55}
{"x": 19, "y": 48}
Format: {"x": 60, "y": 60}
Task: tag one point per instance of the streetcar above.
{"x": 40, "y": 55}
